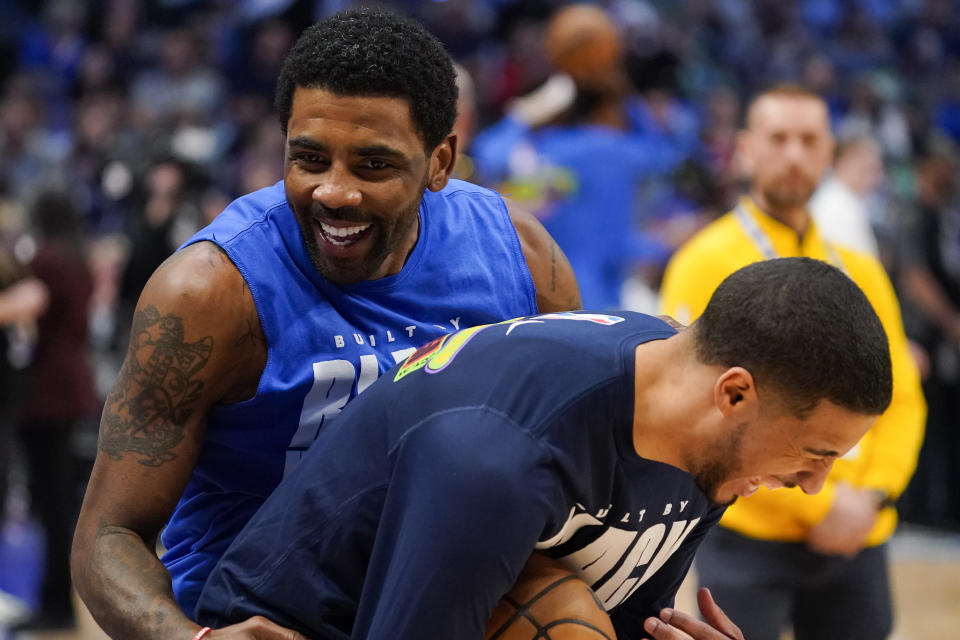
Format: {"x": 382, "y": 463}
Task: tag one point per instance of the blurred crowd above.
{"x": 126, "y": 125}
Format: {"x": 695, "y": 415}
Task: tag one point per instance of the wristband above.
{"x": 201, "y": 633}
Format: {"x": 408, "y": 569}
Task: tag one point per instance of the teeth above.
{"x": 342, "y": 232}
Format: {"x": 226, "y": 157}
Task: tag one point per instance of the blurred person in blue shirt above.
{"x": 577, "y": 150}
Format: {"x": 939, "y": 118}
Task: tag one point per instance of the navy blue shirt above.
{"x": 413, "y": 514}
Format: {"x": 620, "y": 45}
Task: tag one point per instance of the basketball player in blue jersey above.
{"x": 249, "y": 341}
{"x": 609, "y": 442}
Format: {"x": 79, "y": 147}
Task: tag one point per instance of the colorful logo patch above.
{"x": 437, "y": 355}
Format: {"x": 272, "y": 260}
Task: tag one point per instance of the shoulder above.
{"x": 699, "y": 266}
{"x": 244, "y": 212}
{"x": 713, "y": 240}
{"x": 199, "y": 277}
{"x": 716, "y": 247}
{"x": 199, "y": 295}
{"x": 863, "y": 268}
{"x": 552, "y": 274}
{"x": 462, "y": 192}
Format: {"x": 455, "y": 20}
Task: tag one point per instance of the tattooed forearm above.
{"x": 155, "y": 391}
{"x": 121, "y": 580}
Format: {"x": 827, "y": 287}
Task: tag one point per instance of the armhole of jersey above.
{"x": 514, "y": 238}
{"x": 257, "y": 305}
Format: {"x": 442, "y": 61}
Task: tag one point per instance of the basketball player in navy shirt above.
{"x": 607, "y": 441}
{"x": 254, "y": 335}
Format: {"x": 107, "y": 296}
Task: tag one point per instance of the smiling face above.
{"x": 354, "y": 175}
{"x": 778, "y": 450}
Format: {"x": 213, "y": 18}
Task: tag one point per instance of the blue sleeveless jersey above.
{"x": 327, "y": 343}
{"x": 414, "y": 514}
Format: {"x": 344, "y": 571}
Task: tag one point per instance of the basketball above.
{"x": 582, "y": 41}
{"x": 549, "y": 602}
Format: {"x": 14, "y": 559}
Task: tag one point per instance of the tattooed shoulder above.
{"x": 156, "y": 391}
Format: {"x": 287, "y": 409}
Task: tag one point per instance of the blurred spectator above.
{"x": 816, "y": 563}
{"x": 168, "y": 215}
{"x": 465, "y": 125}
{"x": 576, "y": 154}
{"x": 930, "y": 279}
{"x": 182, "y": 90}
{"x": 874, "y": 112}
{"x": 840, "y": 205}
{"x": 59, "y": 393}
{"x": 22, "y": 300}
{"x": 51, "y": 52}
{"x": 27, "y": 146}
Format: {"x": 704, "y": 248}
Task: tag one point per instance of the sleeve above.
{"x": 468, "y": 498}
{"x": 891, "y": 447}
{"x": 628, "y": 617}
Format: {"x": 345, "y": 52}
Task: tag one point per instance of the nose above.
{"x": 337, "y": 187}
{"x": 811, "y": 481}
{"x": 794, "y": 150}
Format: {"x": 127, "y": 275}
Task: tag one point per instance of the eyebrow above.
{"x": 826, "y": 453}
{"x": 369, "y": 150}
{"x": 380, "y": 150}
{"x": 304, "y": 141}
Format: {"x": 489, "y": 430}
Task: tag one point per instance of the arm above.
{"x": 195, "y": 341}
{"x": 466, "y": 501}
{"x": 552, "y": 275}
{"x": 23, "y": 301}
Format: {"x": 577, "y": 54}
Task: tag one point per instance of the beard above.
{"x": 781, "y": 197}
{"x": 387, "y": 236}
{"x": 724, "y": 462}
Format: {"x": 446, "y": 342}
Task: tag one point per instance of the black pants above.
{"x": 52, "y": 482}
{"x": 766, "y": 587}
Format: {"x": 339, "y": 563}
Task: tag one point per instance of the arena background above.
{"x": 152, "y": 115}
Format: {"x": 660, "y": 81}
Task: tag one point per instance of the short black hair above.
{"x": 370, "y": 52}
{"x": 804, "y": 330}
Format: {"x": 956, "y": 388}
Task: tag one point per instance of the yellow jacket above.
{"x": 886, "y": 457}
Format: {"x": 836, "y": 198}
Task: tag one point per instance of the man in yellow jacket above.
{"x": 780, "y": 559}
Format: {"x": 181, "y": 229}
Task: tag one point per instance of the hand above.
{"x": 671, "y": 623}
{"x": 845, "y": 528}
{"x": 23, "y": 302}
{"x": 255, "y": 628}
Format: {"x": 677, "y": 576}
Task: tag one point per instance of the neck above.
{"x": 672, "y": 397}
{"x": 610, "y": 113}
{"x": 796, "y": 217}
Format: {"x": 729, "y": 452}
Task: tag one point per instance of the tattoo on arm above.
{"x": 151, "y": 401}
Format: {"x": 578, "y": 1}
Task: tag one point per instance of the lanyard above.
{"x": 762, "y": 241}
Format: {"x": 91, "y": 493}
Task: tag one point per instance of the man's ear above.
{"x": 735, "y": 394}
{"x": 442, "y": 161}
